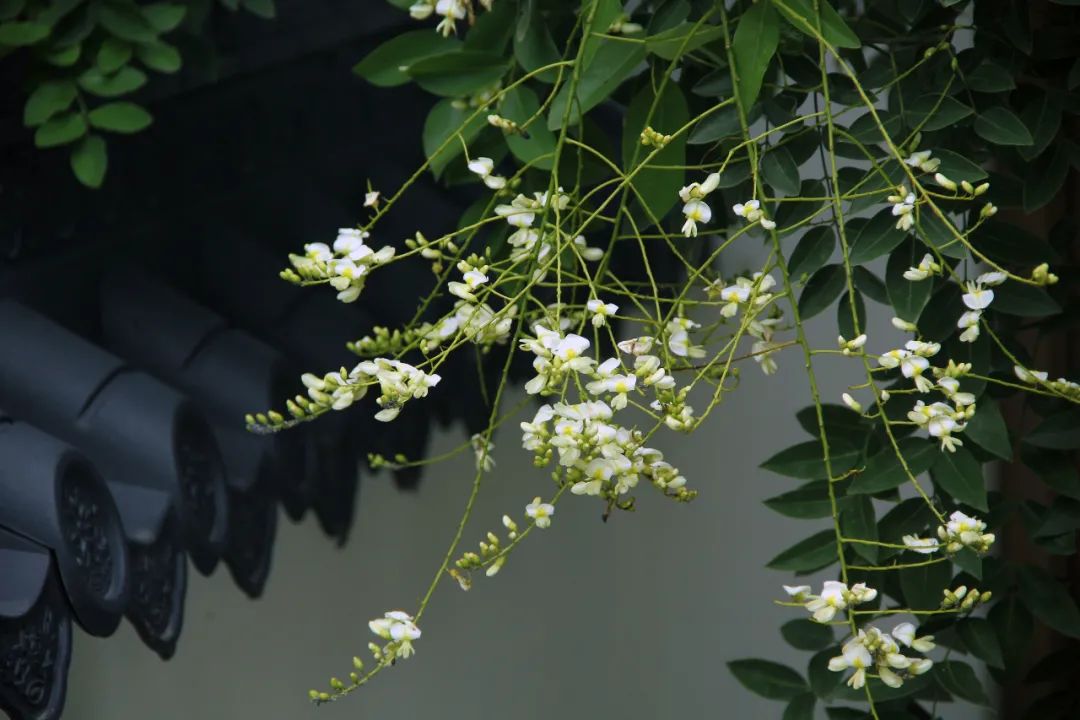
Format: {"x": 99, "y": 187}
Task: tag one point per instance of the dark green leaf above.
{"x": 457, "y": 73}
{"x": 657, "y": 188}
{"x": 48, "y": 99}
{"x": 10, "y": 8}
{"x": 805, "y": 634}
{"x": 907, "y": 298}
{"x": 1057, "y": 432}
{"x": 682, "y": 39}
{"x": 865, "y": 128}
{"x": 89, "y": 161}
{"x": 989, "y": 77}
{"x": 812, "y": 251}
{"x": 960, "y": 475}
{"x": 519, "y": 105}
{"x": 721, "y": 124}
{"x": 979, "y": 636}
{"x": 534, "y": 47}
{"x": 613, "y": 63}
{"x": 263, "y": 8}
{"x": 127, "y": 79}
{"x": 909, "y": 517}
{"x": 1044, "y": 179}
{"x": 444, "y": 121}
{"x": 822, "y": 290}
{"x": 1049, "y": 601}
{"x": 805, "y": 460}
{"x": 923, "y": 585}
{"x": 780, "y": 171}
{"x": 756, "y": 39}
{"x": 19, "y": 34}
{"x": 936, "y": 112}
{"x": 824, "y": 681}
{"x": 120, "y": 117}
{"x": 807, "y": 502}
{"x": 870, "y": 285}
{"x": 1013, "y": 298}
{"x": 126, "y": 23}
{"x": 159, "y": 56}
{"x": 164, "y": 16}
{"x": 875, "y": 238}
{"x": 1043, "y": 117}
{"x": 112, "y": 55}
{"x": 857, "y": 521}
{"x": 813, "y": 553}
{"x": 958, "y": 167}
{"x": 60, "y": 130}
{"x": 800, "y": 708}
{"x": 846, "y": 316}
{"x": 987, "y": 430}
{"x": 960, "y": 679}
{"x": 1001, "y": 127}
{"x": 768, "y": 679}
{"x": 884, "y": 472}
{"x": 1013, "y": 625}
{"x": 832, "y": 27}
{"x": 65, "y": 56}
{"x": 383, "y": 65}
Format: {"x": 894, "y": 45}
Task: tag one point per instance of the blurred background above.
{"x": 266, "y": 141}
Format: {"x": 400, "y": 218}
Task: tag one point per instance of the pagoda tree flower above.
{"x": 903, "y": 208}
{"x": 836, "y": 596}
{"x": 484, "y": 167}
{"x": 923, "y": 161}
{"x": 601, "y": 311}
{"x": 977, "y": 296}
{"x": 969, "y": 323}
{"x": 963, "y": 531}
{"x": 695, "y": 209}
{"x": 927, "y": 267}
{"x": 540, "y": 512}
{"x": 923, "y": 546}
{"x": 397, "y": 627}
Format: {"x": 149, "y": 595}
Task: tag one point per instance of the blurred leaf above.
{"x": 857, "y": 521}
{"x": 810, "y": 501}
{"x": 1044, "y": 179}
{"x": 845, "y": 317}
{"x": 120, "y": 117}
{"x": 47, "y": 100}
{"x": 960, "y": 679}
{"x": 126, "y": 23}
{"x": 989, "y": 77}
{"x": 19, "y": 34}
{"x": 960, "y": 475}
{"x": 159, "y": 56}
{"x": 112, "y": 55}
{"x": 907, "y": 298}
{"x": 756, "y": 39}
{"x": 263, "y": 8}
{"x": 669, "y": 43}
{"x": 870, "y": 285}
{"x": 534, "y": 47}
{"x": 768, "y": 679}
{"x": 813, "y": 553}
{"x": 824, "y": 681}
{"x": 164, "y": 16}
{"x": 60, "y": 130}
{"x": 833, "y": 28}
{"x": 875, "y": 238}
{"x": 800, "y": 708}
{"x": 1013, "y": 298}
{"x": 127, "y": 79}
{"x": 613, "y": 62}
{"x": 822, "y": 290}
{"x": 1060, "y": 431}
{"x": 723, "y": 123}
{"x": 1001, "y": 127}
{"x": 979, "y": 636}
{"x": 1043, "y": 117}
{"x": 1049, "y": 601}
{"x": 89, "y": 161}
{"x": 383, "y": 65}
{"x": 519, "y": 105}
{"x": 922, "y": 586}
{"x": 458, "y": 73}
{"x": 65, "y": 56}
{"x": 987, "y": 430}
{"x": 958, "y": 167}
{"x": 936, "y": 112}
{"x": 10, "y": 8}
{"x": 805, "y": 634}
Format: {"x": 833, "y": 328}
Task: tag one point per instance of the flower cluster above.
{"x": 961, "y": 531}
{"x": 923, "y": 161}
{"x": 751, "y": 211}
{"x": 1068, "y": 388}
{"x": 977, "y": 298}
{"x": 397, "y": 627}
{"x": 903, "y": 208}
{"x": 873, "y": 649}
{"x": 484, "y": 167}
{"x": 556, "y": 355}
{"x": 835, "y": 596}
{"x": 695, "y": 209}
{"x": 345, "y": 266}
{"x": 449, "y": 10}
{"x": 398, "y": 382}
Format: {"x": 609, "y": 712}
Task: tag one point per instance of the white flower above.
{"x": 768, "y": 224}
{"x": 977, "y": 297}
{"x": 797, "y": 592}
{"x": 399, "y": 628}
{"x": 1032, "y": 377}
{"x": 371, "y": 198}
{"x": 912, "y": 367}
{"x": 903, "y": 208}
{"x": 637, "y": 346}
{"x": 318, "y": 251}
{"x": 421, "y": 10}
{"x": 923, "y": 161}
{"x": 904, "y": 325}
{"x": 926, "y": 267}
{"x": 852, "y": 403}
{"x": 750, "y": 210}
{"x": 970, "y": 322}
{"x": 833, "y": 598}
{"x": 695, "y": 211}
{"x": 923, "y": 546}
{"x": 601, "y": 311}
{"x": 991, "y": 279}
{"x": 540, "y": 512}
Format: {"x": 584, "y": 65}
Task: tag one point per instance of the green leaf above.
{"x": 445, "y": 121}
{"x": 534, "y": 47}
{"x": 89, "y": 161}
{"x": 164, "y": 16}
{"x": 923, "y": 585}
{"x": 805, "y": 460}
{"x": 845, "y": 316}
{"x": 1043, "y": 117}
{"x": 20, "y": 34}
{"x": 60, "y": 131}
{"x": 657, "y": 188}
{"x": 756, "y": 39}
{"x": 1044, "y": 179}
{"x": 10, "y": 8}
{"x": 1014, "y": 298}
{"x": 960, "y": 474}
{"x": 866, "y": 131}
{"x": 807, "y": 502}
{"x": 800, "y": 708}
{"x": 613, "y": 63}
{"x": 1060, "y": 431}
{"x": 812, "y": 251}
{"x": 780, "y": 171}
{"x": 1049, "y": 601}
{"x": 65, "y": 56}
{"x": 822, "y": 290}
{"x": 989, "y": 77}
{"x": 813, "y": 553}
{"x": 47, "y": 100}
{"x": 805, "y": 634}
{"x": 836, "y": 32}
{"x": 909, "y": 517}
{"x": 979, "y": 636}
{"x": 857, "y": 521}
{"x": 1001, "y": 127}
{"x": 768, "y": 679}
{"x": 669, "y": 43}
{"x": 262, "y": 8}
{"x": 907, "y": 298}
{"x": 960, "y": 679}
{"x": 870, "y": 285}
{"x": 383, "y": 65}
{"x": 126, "y": 23}
{"x": 957, "y": 167}
{"x": 723, "y": 123}
{"x": 987, "y": 430}
{"x": 519, "y": 105}
{"x": 120, "y": 117}
{"x": 1014, "y": 626}
{"x": 884, "y": 472}
{"x": 458, "y": 73}
{"x": 936, "y": 112}
{"x": 159, "y": 56}
{"x": 112, "y": 55}
{"x": 127, "y": 79}
{"x": 875, "y": 238}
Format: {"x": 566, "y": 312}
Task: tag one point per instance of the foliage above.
{"x": 85, "y": 55}
{"x": 869, "y": 147}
